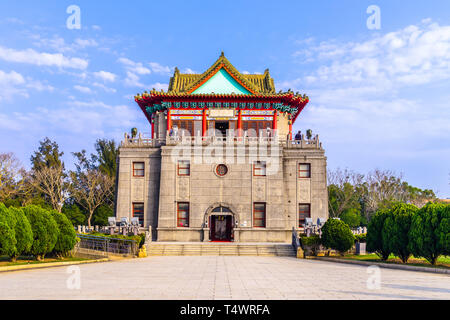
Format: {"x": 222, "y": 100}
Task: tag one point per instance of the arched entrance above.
{"x": 221, "y": 223}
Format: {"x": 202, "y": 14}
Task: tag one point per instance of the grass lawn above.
{"x": 442, "y": 262}
{"x": 5, "y": 261}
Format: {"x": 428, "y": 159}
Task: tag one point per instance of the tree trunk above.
{"x": 91, "y": 213}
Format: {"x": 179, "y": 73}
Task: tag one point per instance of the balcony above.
{"x": 171, "y": 140}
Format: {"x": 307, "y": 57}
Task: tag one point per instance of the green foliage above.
{"x": 45, "y": 230}
{"x": 429, "y": 235}
{"x": 74, "y": 214}
{"x": 395, "y": 230}
{"x": 7, "y": 235}
{"x": 351, "y": 217}
{"x": 66, "y": 236}
{"x": 47, "y": 155}
{"x": 337, "y": 235}
{"x": 313, "y": 240}
{"x": 106, "y": 156}
{"x": 361, "y": 238}
{"x": 312, "y": 243}
{"x": 22, "y": 230}
{"x": 101, "y": 215}
{"x": 375, "y": 234}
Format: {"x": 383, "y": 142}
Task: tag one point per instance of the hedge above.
{"x": 337, "y": 235}
{"x": 395, "y": 230}
{"x": 67, "y": 237}
{"x": 22, "y": 230}
{"x": 45, "y": 230}
{"x": 429, "y": 236}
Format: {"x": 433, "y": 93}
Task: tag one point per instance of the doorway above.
{"x": 221, "y": 228}
{"x": 221, "y": 224}
{"x": 222, "y": 126}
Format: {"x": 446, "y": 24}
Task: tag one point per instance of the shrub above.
{"x": 429, "y": 235}
{"x": 7, "y": 236}
{"x": 337, "y": 235}
{"x": 375, "y": 234}
{"x": 22, "y": 230}
{"x": 45, "y": 230}
{"x": 361, "y": 238}
{"x": 395, "y": 230}
{"x": 312, "y": 243}
{"x": 66, "y": 237}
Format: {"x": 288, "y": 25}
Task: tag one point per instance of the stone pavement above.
{"x": 221, "y": 277}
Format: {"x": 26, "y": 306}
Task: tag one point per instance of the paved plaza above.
{"x": 221, "y": 277}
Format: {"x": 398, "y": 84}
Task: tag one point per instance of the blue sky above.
{"x": 379, "y": 98}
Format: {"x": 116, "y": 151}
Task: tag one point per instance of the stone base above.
{"x": 240, "y": 235}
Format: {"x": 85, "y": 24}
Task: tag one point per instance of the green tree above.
{"x": 101, "y": 215}
{"x": 48, "y": 174}
{"x": 429, "y": 235}
{"x": 337, "y": 235}
{"x": 45, "y": 231}
{"x": 106, "y": 157}
{"x": 74, "y": 214}
{"x": 67, "y": 237}
{"x": 22, "y": 229}
{"x": 47, "y": 155}
{"x": 395, "y": 230}
{"x": 7, "y": 234}
{"x": 351, "y": 217}
{"x": 375, "y": 232}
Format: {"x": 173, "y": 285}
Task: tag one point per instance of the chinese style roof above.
{"x": 188, "y": 83}
{"x": 222, "y": 82}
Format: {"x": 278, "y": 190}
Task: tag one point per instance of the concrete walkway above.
{"x": 222, "y": 277}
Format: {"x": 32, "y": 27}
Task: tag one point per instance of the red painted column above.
{"x": 274, "y": 127}
{"x": 153, "y": 124}
{"x": 169, "y": 120}
{"x": 239, "y": 124}
{"x": 290, "y": 129}
{"x": 204, "y": 123}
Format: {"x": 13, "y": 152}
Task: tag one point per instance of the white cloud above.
{"x": 133, "y": 80}
{"x": 105, "y": 76}
{"x": 411, "y": 56}
{"x": 83, "y": 89}
{"x": 30, "y": 56}
{"x": 102, "y": 86}
{"x": 136, "y": 67}
{"x": 189, "y": 70}
{"x": 158, "y": 68}
{"x": 83, "y": 43}
{"x": 13, "y": 84}
{"x": 158, "y": 86}
{"x": 381, "y": 101}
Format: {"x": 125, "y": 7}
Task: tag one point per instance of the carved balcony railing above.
{"x": 171, "y": 140}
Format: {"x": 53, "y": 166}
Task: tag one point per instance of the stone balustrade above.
{"x": 171, "y": 140}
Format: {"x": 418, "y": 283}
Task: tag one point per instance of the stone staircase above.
{"x": 220, "y": 249}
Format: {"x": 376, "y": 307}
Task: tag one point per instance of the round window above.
{"x": 221, "y": 170}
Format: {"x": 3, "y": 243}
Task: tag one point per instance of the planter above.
{"x": 360, "y": 248}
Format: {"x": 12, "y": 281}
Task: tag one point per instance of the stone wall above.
{"x": 281, "y": 189}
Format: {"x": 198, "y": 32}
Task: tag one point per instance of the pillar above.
{"x": 275, "y": 119}
{"x": 204, "y": 122}
{"x": 169, "y": 120}
{"x": 239, "y": 124}
{"x": 152, "y": 118}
